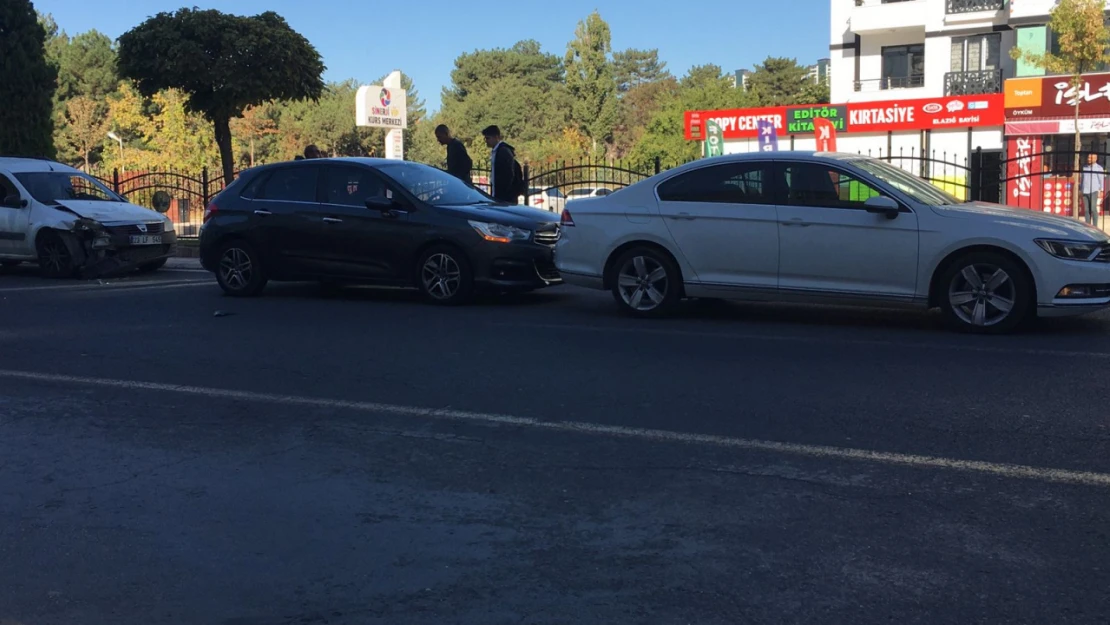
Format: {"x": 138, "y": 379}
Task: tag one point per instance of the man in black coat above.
{"x": 503, "y": 179}
{"x": 458, "y": 160}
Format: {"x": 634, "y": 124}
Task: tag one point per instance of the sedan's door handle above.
{"x": 796, "y": 222}
{"x": 262, "y": 213}
{"x": 684, "y": 216}
{"x": 332, "y": 220}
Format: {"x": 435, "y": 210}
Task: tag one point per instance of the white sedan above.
{"x": 829, "y": 228}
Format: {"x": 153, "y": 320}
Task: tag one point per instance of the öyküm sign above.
{"x": 380, "y": 107}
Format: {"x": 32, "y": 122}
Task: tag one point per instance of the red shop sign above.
{"x": 1054, "y": 96}
{"x": 895, "y": 115}
{"x": 926, "y": 113}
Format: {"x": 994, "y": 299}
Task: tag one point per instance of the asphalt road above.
{"x": 169, "y": 455}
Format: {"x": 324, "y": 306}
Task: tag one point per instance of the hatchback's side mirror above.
{"x": 882, "y": 205}
{"x": 379, "y": 203}
{"x": 14, "y": 201}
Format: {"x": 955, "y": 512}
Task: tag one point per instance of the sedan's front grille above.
{"x": 548, "y": 235}
{"x": 151, "y": 228}
{"x": 546, "y": 270}
{"x": 1104, "y": 255}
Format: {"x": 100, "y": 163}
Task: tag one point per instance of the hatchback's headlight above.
{"x": 168, "y": 226}
{"x": 1071, "y": 250}
{"x": 500, "y": 233}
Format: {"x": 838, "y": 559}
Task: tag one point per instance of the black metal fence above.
{"x": 1039, "y": 181}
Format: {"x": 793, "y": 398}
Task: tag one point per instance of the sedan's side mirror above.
{"x": 14, "y": 201}
{"x": 882, "y": 205}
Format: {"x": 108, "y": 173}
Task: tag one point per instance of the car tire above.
{"x": 54, "y": 256}
{"x": 444, "y": 276}
{"x": 153, "y": 266}
{"x": 986, "y": 293}
{"x": 239, "y": 270}
{"x": 646, "y": 283}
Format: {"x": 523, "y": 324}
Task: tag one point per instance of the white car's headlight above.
{"x": 1070, "y": 250}
{"x": 168, "y": 226}
{"x": 500, "y": 233}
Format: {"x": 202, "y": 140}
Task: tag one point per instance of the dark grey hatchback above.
{"x": 374, "y": 221}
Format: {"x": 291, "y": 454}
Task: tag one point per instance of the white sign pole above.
{"x": 395, "y": 138}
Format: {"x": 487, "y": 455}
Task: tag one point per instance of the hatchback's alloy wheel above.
{"x": 444, "y": 277}
{"x": 239, "y": 272}
{"x": 441, "y": 276}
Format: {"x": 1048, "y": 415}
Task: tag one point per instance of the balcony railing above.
{"x": 971, "y": 6}
{"x": 973, "y": 83}
{"x": 891, "y": 82}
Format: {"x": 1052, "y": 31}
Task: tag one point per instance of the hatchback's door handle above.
{"x": 332, "y": 220}
{"x": 262, "y": 213}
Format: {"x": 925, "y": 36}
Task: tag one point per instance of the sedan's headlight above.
{"x": 500, "y": 233}
{"x": 1071, "y": 250}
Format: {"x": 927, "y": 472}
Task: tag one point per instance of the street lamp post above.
{"x": 114, "y": 137}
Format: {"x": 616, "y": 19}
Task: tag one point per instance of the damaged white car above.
{"x": 73, "y": 226}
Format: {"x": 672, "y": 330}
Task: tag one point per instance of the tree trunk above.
{"x": 223, "y": 139}
{"x": 252, "y": 150}
{"x": 1075, "y": 189}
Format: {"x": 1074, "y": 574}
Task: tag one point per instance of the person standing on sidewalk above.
{"x": 458, "y": 160}
{"x": 506, "y": 179}
{"x": 1092, "y": 183}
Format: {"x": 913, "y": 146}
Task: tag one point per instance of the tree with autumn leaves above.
{"x": 1084, "y": 46}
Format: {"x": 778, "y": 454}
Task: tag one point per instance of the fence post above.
{"x": 526, "y": 170}
{"x": 115, "y": 180}
{"x": 975, "y": 192}
{"x": 657, "y": 168}
{"x": 204, "y": 185}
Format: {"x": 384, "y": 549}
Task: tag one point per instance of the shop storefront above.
{"x": 1040, "y": 137}
{"x": 932, "y": 137}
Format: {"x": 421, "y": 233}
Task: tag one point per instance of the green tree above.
{"x": 637, "y": 108}
{"x": 83, "y": 126}
{"x": 705, "y": 87}
{"x": 779, "y": 81}
{"x": 223, "y": 63}
{"x": 86, "y": 66}
{"x": 27, "y": 87}
{"x": 590, "y": 80}
{"x": 520, "y": 89}
{"x": 632, "y": 68}
{"x": 1081, "y": 31}
{"x": 255, "y": 126}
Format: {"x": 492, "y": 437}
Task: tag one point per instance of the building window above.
{"x": 976, "y": 53}
{"x": 903, "y": 66}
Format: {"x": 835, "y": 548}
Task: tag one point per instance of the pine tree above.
{"x": 27, "y": 90}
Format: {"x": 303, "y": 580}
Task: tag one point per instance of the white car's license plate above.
{"x": 146, "y": 239}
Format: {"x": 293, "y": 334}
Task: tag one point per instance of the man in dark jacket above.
{"x": 503, "y": 179}
{"x": 458, "y": 160}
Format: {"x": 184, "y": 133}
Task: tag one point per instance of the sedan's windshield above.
{"x": 49, "y": 187}
{"x": 432, "y": 185}
{"x": 918, "y": 189}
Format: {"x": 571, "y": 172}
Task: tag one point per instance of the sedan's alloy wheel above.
{"x": 643, "y": 283}
{"x": 982, "y": 295}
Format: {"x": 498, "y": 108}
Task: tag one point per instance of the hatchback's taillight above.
{"x": 210, "y": 211}
{"x": 566, "y": 220}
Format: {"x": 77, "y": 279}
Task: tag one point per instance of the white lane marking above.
{"x": 1013, "y": 471}
{"x": 107, "y": 286}
{"x": 739, "y": 336}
